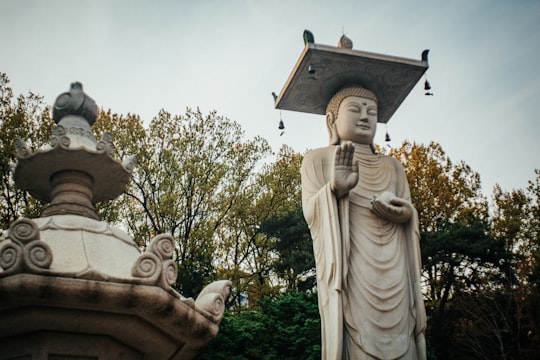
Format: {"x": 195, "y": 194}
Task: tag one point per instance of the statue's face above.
{"x": 357, "y": 120}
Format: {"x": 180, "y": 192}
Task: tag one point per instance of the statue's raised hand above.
{"x": 345, "y": 172}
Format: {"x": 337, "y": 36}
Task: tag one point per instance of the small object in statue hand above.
{"x": 386, "y": 197}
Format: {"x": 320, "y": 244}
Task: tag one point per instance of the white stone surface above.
{"x": 82, "y": 245}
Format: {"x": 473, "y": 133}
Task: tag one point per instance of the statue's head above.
{"x": 351, "y": 115}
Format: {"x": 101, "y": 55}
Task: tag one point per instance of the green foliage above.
{"x": 464, "y": 256}
{"x": 293, "y": 245}
{"x": 516, "y": 223}
{"x": 246, "y": 254}
{"x": 287, "y": 327}
{"x": 459, "y": 260}
{"x": 192, "y": 172}
{"x": 483, "y": 299}
{"x": 128, "y": 139}
{"x": 26, "y": 118}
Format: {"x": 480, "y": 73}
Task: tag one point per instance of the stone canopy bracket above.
{"x": 156, "y": 267}
{"x": 25, "y": 252}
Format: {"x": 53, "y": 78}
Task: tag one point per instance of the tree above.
{"x": 192, "y": 170}
{"x": 247, "y": 254}
{"x": 469, "y": 265}
{"x": 26, "y": 118}
{"x": 441, "y": 190}
{"x": 452, "y": 211}
{"x": 286, "y": 327}
{"x": 516, "y": 223}
{"x": 129, "y": 136}
{"x": 295, "y": 262}
{"x": 479, "y": 271}
{"x": 458, "y": 255}
{"x": 482, "y": 326}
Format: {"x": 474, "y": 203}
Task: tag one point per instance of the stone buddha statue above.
{"x": 365, "y": 230}
{"x": 357, "y": 203}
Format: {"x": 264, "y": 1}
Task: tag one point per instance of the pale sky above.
{"x": 142, "y": 56}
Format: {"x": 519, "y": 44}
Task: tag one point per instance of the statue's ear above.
{"x": 331, "y": 126}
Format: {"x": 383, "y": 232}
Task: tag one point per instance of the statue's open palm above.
{"x": 345, "y": 172}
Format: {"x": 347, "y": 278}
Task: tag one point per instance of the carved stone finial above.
{"x": 212, "y": 299}
{"x": 23, "y": 151}
{"x": 75, "y": 171}
{"x": 75, "y": 102}
{"x": 130, "y": 162}
{"x": 345, "y": 42}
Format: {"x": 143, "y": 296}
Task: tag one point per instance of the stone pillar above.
{"x": 71, "y": 194}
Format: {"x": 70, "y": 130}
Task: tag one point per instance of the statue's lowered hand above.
{"x": 392, "y": 208}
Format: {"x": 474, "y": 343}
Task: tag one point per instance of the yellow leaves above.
{"x": 440, "y": 189}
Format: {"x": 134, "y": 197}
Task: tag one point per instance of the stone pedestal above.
{"x": 47, "y": 317}
{"x": 73, "y": 287}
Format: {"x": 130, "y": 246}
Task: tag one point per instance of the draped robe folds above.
{"x": 368, "y": 268}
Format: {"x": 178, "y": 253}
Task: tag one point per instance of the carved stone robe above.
{"x": 368, "y": 268}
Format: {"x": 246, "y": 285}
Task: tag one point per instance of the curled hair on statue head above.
{"x": 335, "y": 101}
{"x": 332, "y": 109}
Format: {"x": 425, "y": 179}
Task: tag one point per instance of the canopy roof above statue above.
{"x": 323, "y": 70}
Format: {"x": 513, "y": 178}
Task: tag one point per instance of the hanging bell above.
{"x": 281, "y": 125}
{"x": 387, "y": 137}
{"x": 427, "y": 86}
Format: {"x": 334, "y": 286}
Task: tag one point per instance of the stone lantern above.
{"x": 74, "y": 287}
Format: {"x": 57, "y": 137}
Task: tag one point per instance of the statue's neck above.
{"x": 363, "y": 149}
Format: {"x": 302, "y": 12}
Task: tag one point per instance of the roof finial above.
{"x": 308, "y": 37}
{"x": 75, "y": 102}
{"x": 344, "y": 42}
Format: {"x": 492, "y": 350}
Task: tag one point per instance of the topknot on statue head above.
{"x": 75, "y": 102}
